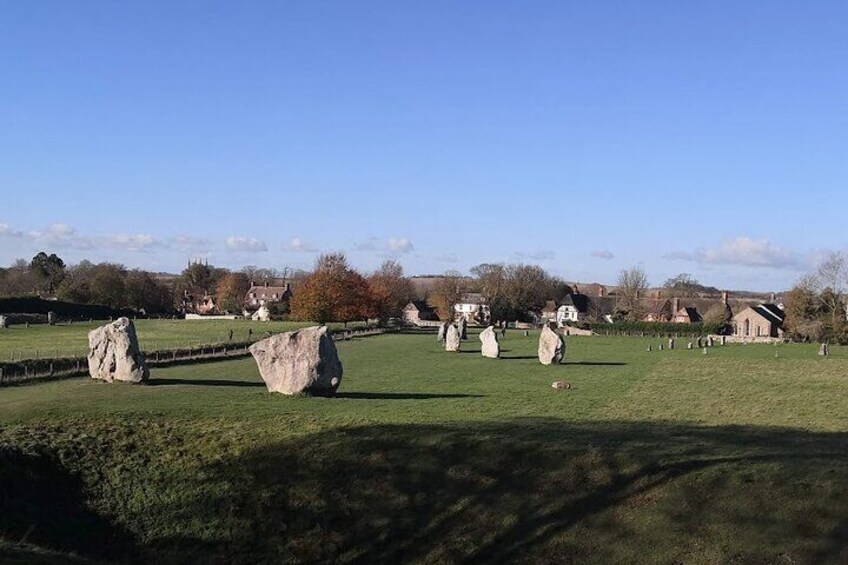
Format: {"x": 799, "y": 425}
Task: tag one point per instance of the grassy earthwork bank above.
{"x": 737, "y": 456}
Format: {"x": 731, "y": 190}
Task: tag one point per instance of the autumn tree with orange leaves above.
{"x": 390, "y": 290}
{"x": 333, "y": 292}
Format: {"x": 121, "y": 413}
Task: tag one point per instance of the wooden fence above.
{"x": 31, "y": 370}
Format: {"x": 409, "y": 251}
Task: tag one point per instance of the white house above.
{"x": 472, "y": 306}
{"x": 572, "y": 308}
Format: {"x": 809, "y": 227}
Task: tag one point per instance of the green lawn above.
{"x": 72, "y": 340}
{"x": 739, "y": 456}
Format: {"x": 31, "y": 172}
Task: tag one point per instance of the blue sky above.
{"x": 707, "y": 138}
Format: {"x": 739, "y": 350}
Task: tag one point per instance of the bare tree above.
{"x": 632, "y": 283}
{"x": 446, "y": 294}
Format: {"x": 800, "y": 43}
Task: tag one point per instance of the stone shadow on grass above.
{"x": 529, "y": 490}
{"x": 402, "y": 395}
{"x": 42, "y": 505}
{"x": 203, "y": 382}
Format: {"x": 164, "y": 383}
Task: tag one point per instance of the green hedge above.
{"x": 655, "y": 328}
{"x": 64, "y": 310}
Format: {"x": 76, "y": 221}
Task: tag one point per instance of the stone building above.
{"x": 762, "y": 320}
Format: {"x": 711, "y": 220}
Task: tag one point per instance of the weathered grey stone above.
{"x": 114, "y": 354}
{"x": 51, "y": 318}
{"x": 300, "y": 361}
{"x": 452, "y": 340}
{"x": 560, "y": 385}
{"x": 689, "y": 345}
{"x": 491, "y": 348}
{"x": 671, "y": 343}
{"x": 4, "y": 323}
{"x": 724, "y": 340}
{"x": 551, "y": 347}
{"x": 710, "y": 341}
{"x": 462, "y": 328}
{"x": 660, "y": 347}
{"x": 824, "y": 351}
{"x": 650, "y": 349}
{"x": 443, "y": 329}
{"x": 700, "y": 342}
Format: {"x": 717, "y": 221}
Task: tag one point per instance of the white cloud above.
{"x": 191, "y": 243}
{"x": 543, "y": 255}
{"x": 603, "y": 254}
{"x": 746, "y": 252}
{"x": 7, "y": 231}
{"x": 400, "y": 245}
{"x": 139, "y": 242}
{"x": 447, "y": 258}
{"x": 370, "y": 244}
{"x": 299, "y": 246}
{"x": 61, "y": 236}
{"x": 251, "y": 244}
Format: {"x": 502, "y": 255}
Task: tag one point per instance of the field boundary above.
{"x": 28, "y": 371}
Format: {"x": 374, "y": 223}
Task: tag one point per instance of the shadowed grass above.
{"x": 735, "y": 456}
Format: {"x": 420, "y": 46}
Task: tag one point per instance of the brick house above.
{"x": 266, "y": 294}
{"x": 418, "y": 311}
{"x": 762, "y": 320}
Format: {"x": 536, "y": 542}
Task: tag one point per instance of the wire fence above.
{"x": 56, "y": 366}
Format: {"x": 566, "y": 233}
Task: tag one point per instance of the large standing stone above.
{"x": 4, "y": 323}
{"x": 491, "y": 347}
{"x": 824, "y": 351}
{"x": 462, "y": 328}
{"x": 443, "y": 329}
{"x": 51, "y": 318}
{"x": 452, "y": 340}
{"x": 300, "y": 361}
{"x": 671, "y": 343}
{"x": 551, "y": 347}
{"x": 114, "y": 354}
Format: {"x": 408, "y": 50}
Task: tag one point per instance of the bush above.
{"x": 26, "y": 305}
{"x": 661, "y": 328}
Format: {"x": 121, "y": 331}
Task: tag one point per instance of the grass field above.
{"x": 23, "y": 342}
{"x": 737, "y": 456}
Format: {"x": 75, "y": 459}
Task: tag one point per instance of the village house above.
{"x": 573, "y": 308}
{"x": 473, "y": 307}
{"x": 197, "y": 301}
{"x": 762, "y": 320}
{"x": 266, "y": 294}
{"x": 418, "y": 311}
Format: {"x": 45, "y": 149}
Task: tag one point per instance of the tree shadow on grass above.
{"x": 401, "y": 395}
{"x": 203, "y": 382}
{"x": 530, "y": 490}
{"x": 42, "y": 505}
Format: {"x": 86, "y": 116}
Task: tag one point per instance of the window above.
{"x": 747, "y": 328}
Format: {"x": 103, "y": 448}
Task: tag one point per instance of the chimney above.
{"x": 724, "y": 297}
{"x": 266, "y": 284}
{"x": 675, "y": 306}
{"x": 772, "y": 298}
{"x": 252, "y": 284}
{"x": 601, "y": 291}
{"x": 288, "y": 286}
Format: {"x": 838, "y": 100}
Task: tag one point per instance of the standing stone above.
{"x": 114, "y": 354}
{"x": 300, "y": 361}
{"x": 660, "y": 347}
{"x": 723, "y": 340}
{"x": 462, "y": 327}
{"x": 700, "y": 343}
{"x": 649, "y": 349}
{"x": 710, "y": 341}
{"x": 452, "y": 340}
{"x": 491, "y": 347}
{"x": 824, "y": 351}
{"x": 51, "y": 318}
{"x": 4, "y": 323}
{"x": 671, "y": 344}
{"x": 551, "y": 347}
{"x": 689, "y": 345}
{"x": 443, "y": 328}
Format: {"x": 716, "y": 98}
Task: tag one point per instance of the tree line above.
{"x": 816, "y": 305}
